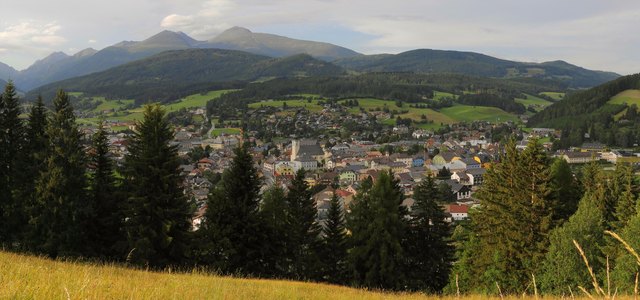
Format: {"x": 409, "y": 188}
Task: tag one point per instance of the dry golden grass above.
{"x": 27, "y": 277}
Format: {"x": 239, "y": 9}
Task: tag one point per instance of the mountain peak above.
{"x": 85, "y": 52}
{"x": 166, "y": 39}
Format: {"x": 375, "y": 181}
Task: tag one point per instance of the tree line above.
{"x": 62, "y": 198}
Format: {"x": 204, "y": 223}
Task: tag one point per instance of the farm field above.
{"x": 219, "y": 131}
{"x": 628, "y": 97}
{"x": 554, "y": 95}
{"x": 413, "y": 113}
{"x": 538, "y": 103}
{"x": 480, "y": 113}
{"x": 196, "y": 100}
{"x": 311, "y": 106}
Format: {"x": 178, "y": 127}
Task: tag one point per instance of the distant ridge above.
{"x": 239, "y": 38}
{"x": 179, "y": 68}
{"x": 475, "y": 64}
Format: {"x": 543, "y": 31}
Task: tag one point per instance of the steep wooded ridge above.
{"x": 591, "y": 112}
{"x": 475, "y": 64}
{"x": 159, "y": 77}
{"x": 59, "y": 66}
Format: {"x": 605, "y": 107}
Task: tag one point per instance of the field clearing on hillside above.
{"x": 196, "y": 100}
{"x": 478, "y": 113}
{"x": 107, "y": 104}
{"x": 37, "y": 278}
{"x": 538, "y": 103}
{"x": 439, "y": 95}
{"x": 628, "y": 97}
{"x": 311, "y": 106}
{"x": 554, "y": 95}
{"x": 413, "y": 113}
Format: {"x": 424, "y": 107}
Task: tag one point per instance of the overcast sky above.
{"x": 596, "y": 34}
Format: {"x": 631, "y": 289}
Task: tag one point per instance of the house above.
{"x": 458, "y": 212}
{"x": 286, "y": 168}
{"x": 307, "y": 162}
{"x": 418, "y": 161}
{"x": 462, "y": 178}
{"x": 579, "y": 157}
{"x": 470, "y": 163}
{"x": 460, "y": 191}
{"x": 205, "y": 164}
{"x": 348, "y": 176}
{"x": 476, "y": 175}
{"x": 444, "y": 158}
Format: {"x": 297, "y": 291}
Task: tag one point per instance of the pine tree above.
{"x": 62, "y": 209}
{"x": 563, "y": 267}
{"x": 428, "y": 252}
{"x": 11, "y": 143}
{"x": 334, "y": 246}
{"x": 597, "y": 184}
{"x": 303, "y": 228}
{"x": 106, "y": 222}
{"x": 377, "y": 256}
{"x": 626, "y": 204}
{"x": 273, "y": 211}
{"x": 565, "y": 190}
{"x": 513, "y": 221}
{"x": 232, "y": 236}
{"x": 32, "y": 162}
{"x": 157, "y": 215}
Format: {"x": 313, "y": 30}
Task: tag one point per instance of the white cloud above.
{"x": 92, "y": 41}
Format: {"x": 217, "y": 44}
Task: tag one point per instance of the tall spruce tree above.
{"x": 232, "y": 236}
{"x": 428, "y": 252}
{"x": 377, "y": 255}
{"x": 63, "y": 208}
{"x": 626, "y": 268}
{"x": 626, "y": 204}
{"x": 274, "y": 213}
{"x": 304, "y": 230}
{"x": 106, "y": 222}
{"x": 11, "y": 144}
{"x": 157, "y": 214}
{"x": 32, "y": 162}
{"x": 565, "y": 190}
{"x": 563, "y": 268}
{"x": 334, "y": 246}
{"x": 513, "y": 221}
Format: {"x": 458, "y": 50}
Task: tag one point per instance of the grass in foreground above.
{"x": 37, "y": 278}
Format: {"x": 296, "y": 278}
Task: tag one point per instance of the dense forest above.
{"x": 588, "y": 112}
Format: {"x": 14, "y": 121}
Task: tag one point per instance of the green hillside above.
{"x": 475, "y": 64}
{"x": 627, "y": 97}
{"x": 27, "y": 277}
{"x": 169, "y": 75}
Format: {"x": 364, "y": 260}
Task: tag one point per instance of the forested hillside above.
{"x": 475, "y": 64}
{"x": 164, "y": 76}
{"x": 591, "y": 112}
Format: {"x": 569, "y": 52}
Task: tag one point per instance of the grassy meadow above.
{"x": 311, "y": 106}
{"x": 538, "y": 103}
{"x": 627, "y": 97}
{"x": 26, "y": 277}
{"x": 554, "y": 95}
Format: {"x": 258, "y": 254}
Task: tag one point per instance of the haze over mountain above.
{"x": 177, "y": 69}
{"x": 474, "y": 64}
{"x": 59, "y": 66}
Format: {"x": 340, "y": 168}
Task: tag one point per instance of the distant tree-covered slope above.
{"x": 588, "y": 112}
{"x": 475, "y": 64}
{"x": 150, "y": 78}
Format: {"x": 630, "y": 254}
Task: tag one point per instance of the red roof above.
{"x": 343, "y": 193}
{"x": 458, "y": 209}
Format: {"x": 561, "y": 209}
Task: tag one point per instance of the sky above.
{"x": 595, "y": 34}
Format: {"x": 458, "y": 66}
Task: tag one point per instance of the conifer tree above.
{"x": 232, "y": 236}
{"x": 377, "y": 255}
{"x": 565, "y": 190}
{"x": 428, "y": 252}
{"x": 62, "y": 207}
{"x": 32, "y": 162}
{"x": 602, "y": 187}
{"x": 273, "y": 211}
{"x": 334, "y": 246}
{"x": 303, "y": 228}
{"x": 157, "y": 214}
{"x": 11, "y": 143}
{"x": 563, "y": 267}
{"x": 107, "y": 219}
{"x": 626, "y": 267}
{"x": 513, "y": 221}
{"x": 626, "y": 204}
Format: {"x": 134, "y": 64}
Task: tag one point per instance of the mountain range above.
{"x": 180, "y": 69}
{"x": 59, "y": 66}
